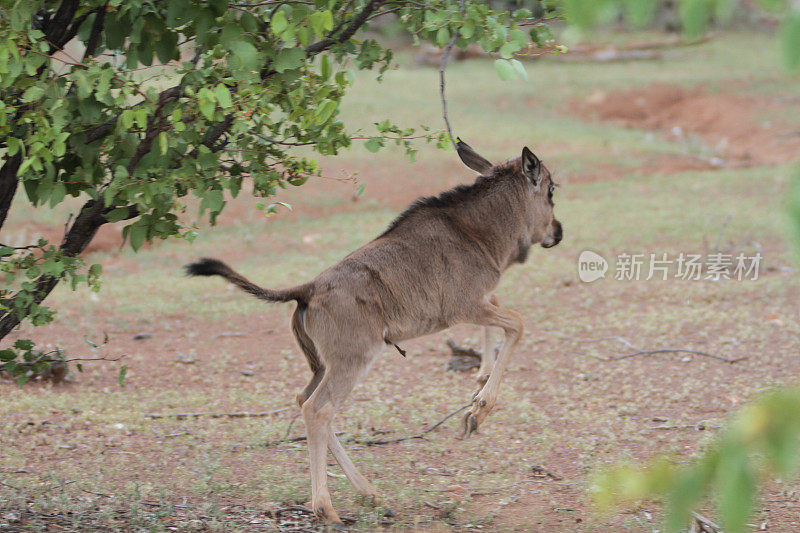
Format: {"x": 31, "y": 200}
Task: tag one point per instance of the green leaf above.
{"x": 505, "y": 69}
{"x": 33, "y": 94}
{"x": 736, "y": 486}
{"x": 213, "y": 200}
{"x": 326, "y": 110}
{"x": 24, "y": 344}
{"x": 468, "y": 29}
{"x": 57, "y": 193}
{"x": 246, "y": 54}
{"x": 289, "y": 59}
{"x": 639, "y": 13}
{"x": 117, "y": 214}
{"x": 7, "y": 355}
{"x": 137, "y": 235}
{"x": 374, "y": 144}
{"x": 279, "y": 22}
{"x": 207, "y": 103}
{"x": 319, "y": 21}
{"x": 167, "y": 47}
{"x": 694, "y": 17}
{"x": 790, "y": 41}
{"x": 223, "y": 96}
{"x": 443, "y": 36}
{"x": 123, "y": 371}
{"x": 508, "y": 49}
{"x": 325, "y": 67}
{"x": 519, "y": 68}
{"x": 163, "y": 142}
{"x": 141, "y": 118}
{"x": 249, "y": 23}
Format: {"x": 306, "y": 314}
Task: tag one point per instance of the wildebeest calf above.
{"x": 434, "y": 267}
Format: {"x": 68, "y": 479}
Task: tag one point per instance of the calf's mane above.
{"x": 458, "y": 195}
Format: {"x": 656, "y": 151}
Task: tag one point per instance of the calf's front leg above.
{"x": 511, "y": 323}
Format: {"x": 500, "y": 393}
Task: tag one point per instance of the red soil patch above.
{"x": 725, "y": 122}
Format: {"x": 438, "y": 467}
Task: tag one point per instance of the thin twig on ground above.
{"x": 242, "y": 414}
{"x": 699, "y": 427}
{"x": 482, "y": 491}
{"x": 642, "y": 352}
{"x": 705, "y": 525}
{"x": 10, "y": 486}
{"x": 173, "y": 435}
{"x": 378, "y": 442}
{"x": 676, "y": 350}
{"x": 541, "y": 471}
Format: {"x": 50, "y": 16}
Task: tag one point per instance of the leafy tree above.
{"x": 172, "y": 99}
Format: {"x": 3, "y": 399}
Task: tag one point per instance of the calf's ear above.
{"x": 471, "y": 158}
{"x": 531, "y": 167}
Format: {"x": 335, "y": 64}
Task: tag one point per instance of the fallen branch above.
{"x": 242, "y": 414}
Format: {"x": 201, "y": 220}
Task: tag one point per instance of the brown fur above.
{"x": 435, "y": 266}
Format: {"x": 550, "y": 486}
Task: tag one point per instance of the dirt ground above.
{"x": 741, "y": 130}
{"x": 564, "y": 408}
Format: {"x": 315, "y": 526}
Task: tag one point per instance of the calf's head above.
{"x": 545, "y": 229}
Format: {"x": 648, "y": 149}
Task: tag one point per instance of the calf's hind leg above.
{"x": 356, "y": 478}
{"x": 341, "y": 374}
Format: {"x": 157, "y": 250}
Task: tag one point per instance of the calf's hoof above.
{"x": 469, "y": 426}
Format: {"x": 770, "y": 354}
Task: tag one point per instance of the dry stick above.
{"x": 639, "y": 351}
{"x": 698, "y": 427}
{"x": 378, "y": 442}
{"x": 705, "y": 522}
{"x": 9, "y": 485}
{"x": 293, "y": 439}
{"x": 442, "y": 66}
{"x": 243, "y": 414}
{"x": 676, "y": 350}
{"x": 493, "y": 490}
{"x": 461, "y": 349}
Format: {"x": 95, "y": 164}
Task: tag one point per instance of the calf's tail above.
{"x": 214, "y": 267}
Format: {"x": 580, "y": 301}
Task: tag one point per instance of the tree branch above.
{"x": 358, "y": 21}
{"x": 94, "y": 37}
{"x": 8, "y": 184}
{"x": 57, "y": 29}
{"x": 442, "y": 67}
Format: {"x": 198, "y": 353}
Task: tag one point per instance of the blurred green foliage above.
{"x": 763, "y": 439}
{"x": 760, "y": 440}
